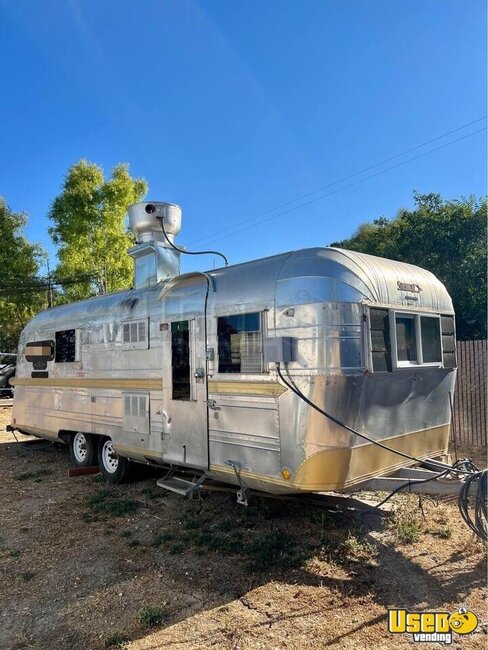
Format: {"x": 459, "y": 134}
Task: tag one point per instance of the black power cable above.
{"x": 182, "y": 250}
{"x": 472, "y": 476}
{"x": 409, "y": 483}
{"x": 475, "y": 485}
{"x": 434, "y": 463}
{"x": 466, "y": 462}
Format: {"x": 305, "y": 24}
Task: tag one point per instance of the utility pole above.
{"x": 103, "y": 279}
{"x": 49, "y": 287}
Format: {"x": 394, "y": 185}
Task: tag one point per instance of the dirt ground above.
{"x": 83, "y": 566}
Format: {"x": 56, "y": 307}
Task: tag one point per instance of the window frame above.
{"x": 416, "y": 316}
{"x": 76, "y": 359}
{"x": 188, "y": 395}
{"x": 262, "y": 331}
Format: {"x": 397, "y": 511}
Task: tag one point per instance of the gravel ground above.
{"x": 87, "y": 567}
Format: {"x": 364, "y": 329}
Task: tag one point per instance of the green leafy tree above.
{"x": 22, "y": 293}
{"x": 88, "y": 220}
{"x": 447, "y": 238}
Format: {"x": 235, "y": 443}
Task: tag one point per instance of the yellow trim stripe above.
{"x": 80, "y": 382}
{"x": 35, "y": 431}
{"x": 257, "y": 388}
{"x": 137, "y": 451}
{"x": 336, "y": 469}
{"x": 339, "y": 468}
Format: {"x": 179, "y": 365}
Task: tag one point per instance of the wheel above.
{"x": 82, "y": 450}
{"x": 114, "y": 468}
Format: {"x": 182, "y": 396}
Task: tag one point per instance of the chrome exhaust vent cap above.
{"x": 145, "y": 221}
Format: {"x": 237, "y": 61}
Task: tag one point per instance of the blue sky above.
{"x": 233, "y": 108}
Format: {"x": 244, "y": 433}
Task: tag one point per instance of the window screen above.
{"x": 406, "y": 339}
{"x": 65, "y": 346}
{"x": 431, "y": 339}
{"x": 240, "y": 343}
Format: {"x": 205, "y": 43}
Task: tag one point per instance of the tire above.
{"x": 114, "y": 468}
{"x": 83, "y": 450}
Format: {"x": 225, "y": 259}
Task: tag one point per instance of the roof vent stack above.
{"x": 154, "y": 258}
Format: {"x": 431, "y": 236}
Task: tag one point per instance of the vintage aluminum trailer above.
{"x": 181, "y": 370}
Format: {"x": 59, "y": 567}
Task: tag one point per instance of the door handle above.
{"x": 199, "y": 373}
{"x": 212, "y": 404}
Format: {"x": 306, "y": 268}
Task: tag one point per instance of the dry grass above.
{"x": 89, "y": 567}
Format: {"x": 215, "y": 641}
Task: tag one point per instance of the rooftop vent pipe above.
{"x": 154, "y": 258}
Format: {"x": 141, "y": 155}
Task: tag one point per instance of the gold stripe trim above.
{"x": 109, "y": 384}
{"x": 38, "y": 432}
{"x": 134, "y": 451}
{"x": 247, "y": 474}
{"x": 339, "y": 468}
{"x": 335, "y": 469}
{"x": 257, "y": 388}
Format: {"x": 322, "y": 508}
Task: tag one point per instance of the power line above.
{"x": 17, "y": 278}
{"x": 345, "y": 178}
{"x": 340, "y": 189}
{"x": 39, "y": 284}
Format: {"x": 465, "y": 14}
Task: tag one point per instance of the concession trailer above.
{"x": 230, "y": 372}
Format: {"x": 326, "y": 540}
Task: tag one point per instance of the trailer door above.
{"x": 185, "y": 413}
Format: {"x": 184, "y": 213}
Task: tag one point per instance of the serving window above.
{"x": 240, "y": 343}
{"x": 416, "y": 340}
{"x": 402, "y": 339}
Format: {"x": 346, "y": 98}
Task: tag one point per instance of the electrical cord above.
{"x": 473, "y": 477}
{"x": 464, "y": 461}
{"x": 409, "y": 483}
{"x": 475, "y": 485}
{"x": 434, "y": 463}
{"x": 182, "y": 250}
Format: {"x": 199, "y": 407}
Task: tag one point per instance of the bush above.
{"x": 150, "y": 616}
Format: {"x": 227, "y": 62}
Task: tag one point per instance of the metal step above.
{"x": 180, "y": 485}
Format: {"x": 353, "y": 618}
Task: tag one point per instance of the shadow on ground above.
{"x": 85, "y": 565}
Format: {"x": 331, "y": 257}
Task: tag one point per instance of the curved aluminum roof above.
{"x": 357, "y": 277}
{"x": 335, "y": 274}
{"x": 396, "y": 283}
{"x": 326, "y": 273}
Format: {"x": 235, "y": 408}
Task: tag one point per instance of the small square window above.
{"x": 65, "y": 346}
{"x": 240, "y": 343}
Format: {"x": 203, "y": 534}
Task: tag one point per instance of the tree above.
{"x": 447, "y": 238}
{"x": 89, "y": 230}
{"x": 22, "y": 293}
